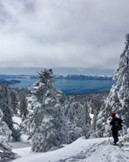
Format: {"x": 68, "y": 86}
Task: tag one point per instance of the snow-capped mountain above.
{"x": 87, "y": 77}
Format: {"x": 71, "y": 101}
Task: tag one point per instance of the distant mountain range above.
{"x": 86, "y": 77}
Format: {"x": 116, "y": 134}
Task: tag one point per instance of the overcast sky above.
{"x": 63, "y": 33}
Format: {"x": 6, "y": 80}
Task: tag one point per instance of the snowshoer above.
{"x": 116, "y": 125}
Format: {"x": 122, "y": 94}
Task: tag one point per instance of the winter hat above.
{"x": 113, "y": 114}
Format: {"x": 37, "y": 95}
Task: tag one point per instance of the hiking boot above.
{"x": 114, "y": 143}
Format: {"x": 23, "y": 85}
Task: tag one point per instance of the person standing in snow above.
{"x": 115, "y": 127}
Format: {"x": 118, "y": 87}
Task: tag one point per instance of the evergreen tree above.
{"x": 78, "y": 119}
{"x": 22, "y": 104}
{"x": 5, "y": 102}
{"x": 95, "y": 103}
{"x": 86, "y": 127}
{"x": 44, "y": 123}
{"x": 9, "y": 105}
{"x": 5, "y": 134}
{"x": 13, "y": 101}
{"x": 118, "y": 98}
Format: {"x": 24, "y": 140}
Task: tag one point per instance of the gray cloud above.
{"x": 71, "y": 33}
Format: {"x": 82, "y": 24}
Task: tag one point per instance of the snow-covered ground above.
{"x": 82, "y": 150}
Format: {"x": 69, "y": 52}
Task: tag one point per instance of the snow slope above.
{"x": 82, "y": 150}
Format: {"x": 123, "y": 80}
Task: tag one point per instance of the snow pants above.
{"x": 115, "y": 135}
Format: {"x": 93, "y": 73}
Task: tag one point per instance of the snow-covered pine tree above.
{"x": 44, "y": 123}
{"x": 8, "y": 105}
{"x": 118, "y": 98}
{"x": 73, "y": 112}
{"x": 95, "y": 103}
{"x": 5, "y": 105}
{"x": 13, "y": 101}
{"x": 78, "y": 119}
{"x": 87, "y": 123}
{"x": 5, "y": 134}
{"x": 22, "y": 103}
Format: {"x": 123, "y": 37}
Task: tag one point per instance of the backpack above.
{"x": 118, "y": 123}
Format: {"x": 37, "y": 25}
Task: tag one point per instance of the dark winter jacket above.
{"x": 116, "y": 123}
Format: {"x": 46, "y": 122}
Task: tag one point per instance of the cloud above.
{"x": 74, "y": 33}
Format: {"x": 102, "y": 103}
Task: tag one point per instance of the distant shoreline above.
{"x": 69, "y": 85}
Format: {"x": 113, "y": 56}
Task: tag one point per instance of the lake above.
{"x": 71, "y": 86}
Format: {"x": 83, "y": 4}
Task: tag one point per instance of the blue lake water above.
{"x": 72, "y": 86}
{"x": 83, "y": 86}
